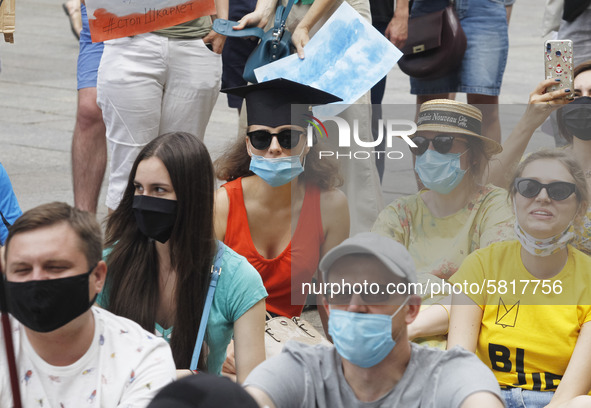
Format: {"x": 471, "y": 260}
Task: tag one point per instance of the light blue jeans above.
{"x": 520, "y": 398}
{"x": 483, "y": 65}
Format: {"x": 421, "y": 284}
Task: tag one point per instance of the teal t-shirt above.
{"x": 239, "y": 287}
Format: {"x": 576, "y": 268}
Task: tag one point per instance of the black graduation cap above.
{"x": 270, "y": 103}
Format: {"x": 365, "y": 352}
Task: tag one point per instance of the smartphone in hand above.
{"x": 558, "y": 64}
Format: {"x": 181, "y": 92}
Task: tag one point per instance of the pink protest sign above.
{"x": 109, "y": 19}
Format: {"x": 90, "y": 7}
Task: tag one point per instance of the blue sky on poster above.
{"x": 346, "y": 57}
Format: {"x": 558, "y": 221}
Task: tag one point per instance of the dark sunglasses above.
{"x": 368, "y": 298}
{"x": 558, "y": 190}
{"x": 287, "y": 138}
{"x": 441, "y": 143}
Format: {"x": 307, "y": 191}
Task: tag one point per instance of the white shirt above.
{"x": 124, "y": 367}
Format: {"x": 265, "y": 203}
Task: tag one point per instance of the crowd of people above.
{"x": 168, "y": 307}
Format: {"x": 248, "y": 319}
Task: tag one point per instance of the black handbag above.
{"x": 435, "y": 45}
{"x": 274, "y": 45}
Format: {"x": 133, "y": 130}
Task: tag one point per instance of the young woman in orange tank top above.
{"x": 280, "y": 208}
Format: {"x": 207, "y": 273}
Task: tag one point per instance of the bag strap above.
{"x": 216, "y": 271}
{"x": 224, "y": 27}
{"x": 286, "y": 11}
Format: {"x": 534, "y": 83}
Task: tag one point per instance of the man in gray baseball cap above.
{"x": 370, "y": 284}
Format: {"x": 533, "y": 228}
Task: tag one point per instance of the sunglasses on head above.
{"x": 558, "y": 190}
{"x": 441, "y": 143}
{"x": 287, "y": 138}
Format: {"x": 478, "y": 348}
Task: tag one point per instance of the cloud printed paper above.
{"x": 346, "y": 57}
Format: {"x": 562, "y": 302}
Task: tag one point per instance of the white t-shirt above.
{"x": 124, "y": 367}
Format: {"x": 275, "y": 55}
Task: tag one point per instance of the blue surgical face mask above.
{"x": 364, "y": 339}
{"x": 439, "y": 172}
{"x": 277, "y": 171}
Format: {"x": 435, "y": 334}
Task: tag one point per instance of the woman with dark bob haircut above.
{"x": 161, "y": 248}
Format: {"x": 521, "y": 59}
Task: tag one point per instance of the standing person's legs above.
{"x": 362, "y": 182}
{"x": 89, "y": 151}
{"x": 131, "y": 81}
{"x": 193, "y": 83}
{"x": 489, "y": 105}
{"x": 377, "y": 95}
{"x": 89, "y": 145}
{"x": 483, "y": 66}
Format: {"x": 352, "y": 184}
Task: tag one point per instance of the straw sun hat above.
{"x": 449, "y": 116}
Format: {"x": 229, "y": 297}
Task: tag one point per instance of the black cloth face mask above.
{"x": 577, "y": 117}
{"x": 155, "y": 216}
{"x": 46, "y": 305}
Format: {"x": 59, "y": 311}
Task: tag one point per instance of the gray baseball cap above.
{"x": 391, "y": 253}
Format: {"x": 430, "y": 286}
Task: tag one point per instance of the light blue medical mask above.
{"x": 364, "y": 339}
{"x": 439, "y": 172}
{"x": 279, "y": 170}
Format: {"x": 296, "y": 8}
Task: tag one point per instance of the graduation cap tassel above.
{"x": 7, "y": 330}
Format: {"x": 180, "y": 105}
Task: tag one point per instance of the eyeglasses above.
{"x": 287, "y": 138}
{"x": 558, "y": 190}
{"x": 441, "y": 143}
{"x": 369, "y": 298}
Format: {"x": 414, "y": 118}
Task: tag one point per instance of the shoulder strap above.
{"x": 286, "y": 11}
{"x": 224, "y": 27}
{"x": 216, "y": 271}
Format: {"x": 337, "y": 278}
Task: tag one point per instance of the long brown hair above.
{"x": 133, "y": 263}
{"x": 323, "y": 172}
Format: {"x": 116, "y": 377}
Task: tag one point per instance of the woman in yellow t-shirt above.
{"x": 574, "y": 124}
{"x": 456, "y": 215}
{"x": 523, "y": 306}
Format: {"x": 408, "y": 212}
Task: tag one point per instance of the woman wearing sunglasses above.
{"x": 529, "y": 324}
{"x": 456, "y": 215}
{"x": 574, "y": 124}
{"x": 280, "y": 207}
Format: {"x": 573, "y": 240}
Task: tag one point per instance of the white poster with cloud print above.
{"x": 346, "y": 57}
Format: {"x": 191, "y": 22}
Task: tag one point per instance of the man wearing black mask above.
{"x": 68, "y": 353}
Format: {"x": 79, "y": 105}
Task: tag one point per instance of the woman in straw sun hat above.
{"x": 456, "y": 213}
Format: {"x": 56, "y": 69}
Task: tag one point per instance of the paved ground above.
{"x": 38, "y": 101}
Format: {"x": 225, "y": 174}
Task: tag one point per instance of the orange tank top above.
{"x": 284, "y": 275}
